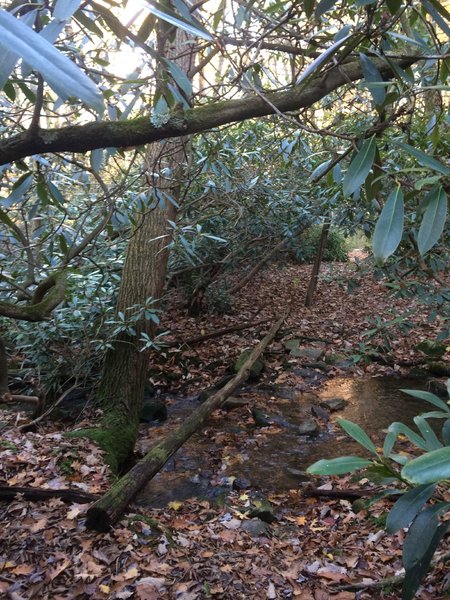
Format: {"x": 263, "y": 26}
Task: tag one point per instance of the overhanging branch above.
{"x": 48, "y": 294}
{"x": 136, "y": 132}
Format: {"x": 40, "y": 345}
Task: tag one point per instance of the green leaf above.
{"x": 323, "y": 7}
{"x": 319, "y": 170}
{"x": 433, "y": 221}
{"x": 407, "y": 506}
{"x": 358, "y": 434}
{"x": 308, "y": 7}
{"x": 419, "y": 546}
{"x": 338, "y": 466}
{"x": 63, "y": 75}
{"x": 393, "y": 5}
{"x": 194, "y": 28}
{"x": 435, "y": 10}
{"x": 427, "y": 433}
{"x": 446, "y": 432}
{"x": 396, "y": 428}
{"x": 424, "y": 159}
{"x": 389, "y": 228}
{"x": 371, "y": 75}
{"x": 428, "y": 397}
{"x": 360, "y": 166}
{"x": 320, "y": 60}
{"x": 20, "y": 189}
{"x": 428, "y": 468}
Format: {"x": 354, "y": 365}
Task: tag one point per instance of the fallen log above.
{"x": 104, "y": 513}
{"x": 9, "y": 493}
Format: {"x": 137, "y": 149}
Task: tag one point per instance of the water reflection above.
{"x": 275, "y": 459}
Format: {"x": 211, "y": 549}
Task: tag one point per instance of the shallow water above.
{"x": 373, "y": 403}
{"x": 273, "y": 459}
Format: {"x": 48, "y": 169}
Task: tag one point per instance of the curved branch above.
{"x": 48, "y": 294}
{"x": 135, "y": 132}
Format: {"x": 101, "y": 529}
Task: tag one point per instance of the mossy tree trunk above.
{"x": 124, "y": 376}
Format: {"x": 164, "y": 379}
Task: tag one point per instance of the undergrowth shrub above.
{"x": 335, "y": 250}
{"x": 219, "y": 300}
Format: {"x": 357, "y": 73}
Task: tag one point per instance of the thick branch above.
{"x": 48, "y": 294}
{"x": 9, "y": 493}
{"x": 104, "y": 134}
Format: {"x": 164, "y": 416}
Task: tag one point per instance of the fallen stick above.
{"x": 340, "y": 494}
{"x": 104, "y": 513}
{"x": 216, "y": 333}
{"x": 9, "y": 493}
{"x": 394, "y": 581}
{"x": 49, "y": 410}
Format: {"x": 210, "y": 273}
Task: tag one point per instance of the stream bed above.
{"x": 233, "y": 451}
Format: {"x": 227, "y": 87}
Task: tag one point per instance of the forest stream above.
{"x": 274, "y": 458}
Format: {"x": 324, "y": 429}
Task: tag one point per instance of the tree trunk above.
{"x": 122, "y": 385}
{"x": 4, "y": 389}
{"x": 108, "y": 510}
{"x": 316, "y": 266}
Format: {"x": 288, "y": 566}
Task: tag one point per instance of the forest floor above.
{"x": 313, "y": 548}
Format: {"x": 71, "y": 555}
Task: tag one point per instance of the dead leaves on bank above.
{"x": 313, "y": 550}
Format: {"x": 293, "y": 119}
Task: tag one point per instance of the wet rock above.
{"x": 308, "y": 427}
{"x": 232, "y": 402}
{"x": 241, "y": 483}
{"x": 261, "y": 418}
{"x": 439, "y": 369}
{"x": 312, "y": 353}
{"x": 432, "y": 349}
{"x": 262, "y": 509}
{"x": 334, "y": 404}
{"x": 153, "y": 409}
{"x": 320, "y": 412}
{"x": 309, "y": 374}
{"x": 334, "y": 358}
{"x": 279, "y": 391}
{"x": 256, "y": 369}
{"x": 298, "y": 474}
{"x": 438, "y": 387}
{"x": 319, "y": 365}
{"x": 255, "y": 527}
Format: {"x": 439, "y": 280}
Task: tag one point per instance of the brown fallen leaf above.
{"x": 23, "y": 570}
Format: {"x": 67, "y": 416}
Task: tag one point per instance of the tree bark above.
{"x": 108, "y": 510}
{"x": 124, "y": 376}
{"x": 316, "y": 266}
{"x": 136, "y": 132}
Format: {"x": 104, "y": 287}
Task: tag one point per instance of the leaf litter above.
{"x": 199, "y": 548}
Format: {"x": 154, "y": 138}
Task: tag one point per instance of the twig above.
{"x": 49, "y": 410}
{"x": 396, "y": 580}
{"x": 341, "y": 494}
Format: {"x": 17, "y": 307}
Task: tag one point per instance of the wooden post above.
{"x": 316, "y": 266}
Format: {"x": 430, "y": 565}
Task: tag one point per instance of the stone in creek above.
{"x": 334, "y": 404}
{"x": 308, "y": 427}
{"x": 255, "y": 527}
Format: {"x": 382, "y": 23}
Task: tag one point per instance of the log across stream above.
{"x": 233, "y": 451}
